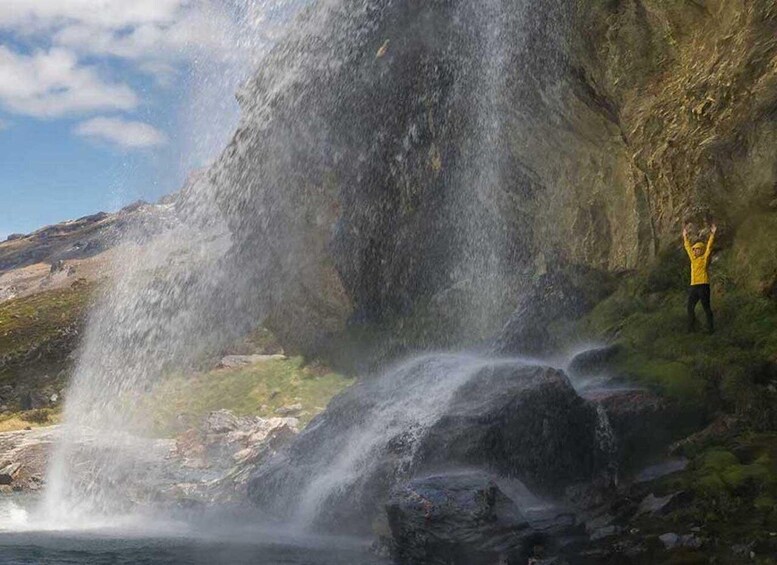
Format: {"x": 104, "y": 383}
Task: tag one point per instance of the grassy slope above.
{"x": 31, "y": 323}
{"x": 183, "y": 401}
{"x": 37, "y": 333}
{"x": 732, "y": 474}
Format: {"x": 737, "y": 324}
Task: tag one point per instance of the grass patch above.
{"x": 735, "y": 489}
{"x": 16, "y": 421}
{"x": 33, "y": 319}
{"x": 724, "y": 370}
{"x": 183, "y": 401}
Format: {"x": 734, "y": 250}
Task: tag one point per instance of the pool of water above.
{"x": 30, "y": 548}
{"x": 208, "y": 540}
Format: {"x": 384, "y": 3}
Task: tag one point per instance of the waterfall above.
{"x": 244, "y": 237}
{"x": 408, "y": 400}
{"x": 480, "y": 199}
{"x": 175, "y": 296}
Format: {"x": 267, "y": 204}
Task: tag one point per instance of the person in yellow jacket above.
{"x": 699, "y": 254}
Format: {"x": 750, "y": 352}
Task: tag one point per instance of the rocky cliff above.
{"x": 399, "y": 157}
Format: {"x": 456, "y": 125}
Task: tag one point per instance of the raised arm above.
{"x": 710, "y": 241}
{"x": 687, "y": 242}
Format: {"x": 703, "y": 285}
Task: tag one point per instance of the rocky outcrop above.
{"x": 517, "y": 421}
{"x": 460, "y": 519}
{"x": 644, "y": 423}
{"x": 24, "y": 456}
{"x": 72, "y": 242}
{"x": 527, "y": 423}
{"x": 224, "y": 450}
{"x": 421, "y": 148}
{"x": 239, "y": 361}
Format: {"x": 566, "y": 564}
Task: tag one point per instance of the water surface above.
{"x": 26, "y": 540}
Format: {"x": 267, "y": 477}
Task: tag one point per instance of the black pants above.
{"x": 696, "y": 293}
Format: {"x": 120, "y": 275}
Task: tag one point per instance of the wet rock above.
{"x": 642, "y": 422}
{"x": 593, "y": 361}
{"x": 239, "y": 361}
{"x": 659, "y": 506}
{"x": 290, "y": 410}
{"x": 670, "y": 540}
{"x": 604, "y": 532}
{"x": 457, "y": 520}
{"x": 662, "y": 469}
{"x": 226, "y": 448}
{"x": 24, "y": 456}
{"x": 517, "y": 421}
{"x": 552, "y": 297}
{"x": 599, "y": 522}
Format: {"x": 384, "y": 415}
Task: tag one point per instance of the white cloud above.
{"x": 38, "y": 14}
{"x": 169, "y": 30}
{"x": 123, "y": 133}
{"x": 52, "y": 84}
{"x": 63, "y": 50}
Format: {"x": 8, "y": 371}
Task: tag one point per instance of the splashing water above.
{"x": 209, "y": 274}
{"x": 409, "y": 399}
{"x": 177, "y": 295}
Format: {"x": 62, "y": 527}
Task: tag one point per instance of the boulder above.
{"x": 595, "y": 361}
{"x": 660, "y": 505}
{"x": 290, "y": 410}
{"x": 221, "y": 422}
{"x": 457, "y": 519}
{"x": 226, "y": 447}
{"x": 643, "y": 422}
{"x": 527, "y": 423}
{"x": 519, "y": 421}
{"x": 552, "y": 297}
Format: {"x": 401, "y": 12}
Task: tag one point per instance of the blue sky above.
{"x": 104, "y": 102}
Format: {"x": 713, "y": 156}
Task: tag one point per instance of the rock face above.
{"x": 24, "y": 456}
{"x": 239, "y": 361}
{"x": 517, "y": 421}
{"x": 225, "y": 449}
{"x": 528, "y": 424}
{"x": 642, "y": 421}
{"x": 424, "y": 147}
{"x": 457, "y": 520}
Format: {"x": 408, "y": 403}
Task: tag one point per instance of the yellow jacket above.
{"x": 699, "y": 264}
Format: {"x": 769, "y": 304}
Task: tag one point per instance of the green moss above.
{"x": 183, "y": 401}
{"x": 734, "y": 488}
{"x": 29, "y": 322}
{"x": 729, "y": 370}
{"x": 672, "y": 378}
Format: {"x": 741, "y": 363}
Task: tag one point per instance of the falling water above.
{"x": 409, "y": 399}
{"x": 177, "y": 295}
{"x": 481, "y": 261}
{"x": 211, "y": 274}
